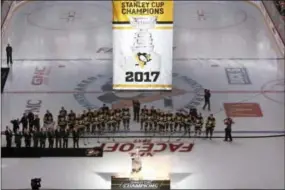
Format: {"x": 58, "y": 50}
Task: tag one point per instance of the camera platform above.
{"x": 118, "y": 183}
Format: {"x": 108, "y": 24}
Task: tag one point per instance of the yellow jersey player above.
{"x": 187, "y": 124}
{"x": 177, "y": 121}
{"x": 62, "y": 123}
{"x": 169, "y": 122}
{"x": 101, "y": 121}
{"x": 108, "y": 121}
{"x": 210, "y": 125}
{"x": 126, "y": 118}
{"x": 71, "y": 117}
{"x": 198, "y": 125}
{"x": 148, "y": 122}
{"x": 87, "y": 123}
{"x": 118, "y": 118}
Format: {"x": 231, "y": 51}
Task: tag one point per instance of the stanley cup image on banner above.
{"x": 142, "y": 44}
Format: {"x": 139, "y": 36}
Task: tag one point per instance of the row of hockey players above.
{"x": 158, "y": 120}
{"x": 151, "y": 120}
{"x": 99, "y": 121}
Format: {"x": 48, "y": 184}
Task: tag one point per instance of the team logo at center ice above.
{"x": 186, "y": 93}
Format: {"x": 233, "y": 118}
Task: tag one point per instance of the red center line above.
{"x": 97, "y": 91}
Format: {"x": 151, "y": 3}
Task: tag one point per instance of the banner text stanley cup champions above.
{"x": 142, "y": 44}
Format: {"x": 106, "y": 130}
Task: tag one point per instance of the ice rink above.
{"x": 63, "y": 57}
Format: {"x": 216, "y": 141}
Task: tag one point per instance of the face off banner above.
{"x": 142, "y": 44}
{"x": 128, "y": 184}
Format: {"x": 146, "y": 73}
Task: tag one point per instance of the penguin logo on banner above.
{"x": 142, "y": 59}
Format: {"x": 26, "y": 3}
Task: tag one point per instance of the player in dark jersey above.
{"x": 103, "y": 120}
{"x": 198, "y": 125}
{"x": 62, "y": 112}
{"x": 118, "y": 118}
{"x": 62, "y": 123}
{"x": 71, "y": 117}
{"x": 143, "y": 113}
{"x": 148, "y": 122}
{"x": 108, "y": 120}
{"x": 154, "y": 113}
{"x": 87, "y": 124}
{"x": 177, "y": 121}
{"x": 48, "y": 119}
{"x": 161, "y": 122}
{"x": 169, "y": 122}
{"x": 84, "y": 114}
{"x": 89, "y": 114}
{"x": 187, "y": 125}
{"x": 126, "y": 118}
{"x": 182, "y": 122}
{"x": 210, "y": 125}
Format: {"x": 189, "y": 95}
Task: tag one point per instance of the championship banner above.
{"x": 142, "y": 44}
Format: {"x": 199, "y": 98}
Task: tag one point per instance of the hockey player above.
{"x": 160, "y": 122}
{"x": 79, "y": 123}
{"x": 101, "y": 118}
{"x": 94, "y": 122}
{"x": 71, "y": 117}
{"x": 148, "y": 122}
{"x": 143, "y": 116}
{"x": 84, "y": 114}
{"x": 48, "y": 119}
{"x": 114, "y": 123}
{"x": 86, "y": 123}
{"x": 177, "y": 121}
{"x": 210, "y": 125}
{"x": 170, "y": 120}
{"x": 182, "y": 122}
{"x": 126, "y": 118}
{"x": 118, "y": 118}
{"x": 108, "y": 120}
{"x": 62, "y": 112}
{"x": 187, "y": 125}
{"x": 62, "y": 123}
{"x": 154, "y": 114}
{"x": 198, "y": 125}
{"x": 89, "y": 114}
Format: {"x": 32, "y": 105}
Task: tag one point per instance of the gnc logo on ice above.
{"x": 41, "y": 75}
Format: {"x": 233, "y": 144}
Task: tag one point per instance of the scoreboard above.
{"x": 142, "y": 44}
